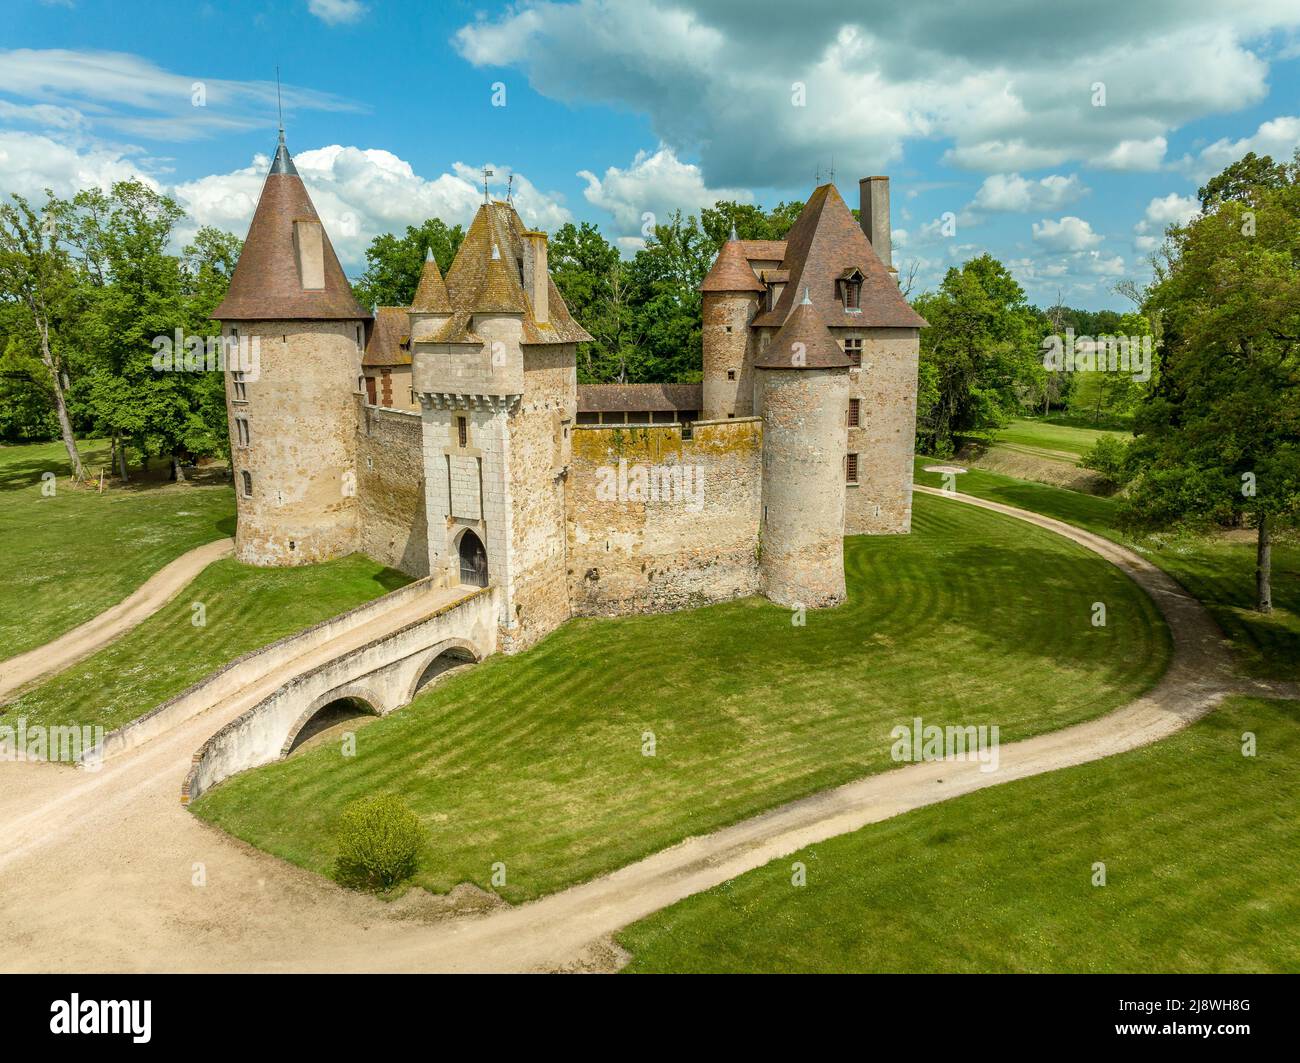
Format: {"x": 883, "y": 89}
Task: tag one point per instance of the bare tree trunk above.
{"x": 178, "y": 474}
{"x": 60, "y": 407}
{"x": 121, "y": 459}
{"x": 1263, "y": 568}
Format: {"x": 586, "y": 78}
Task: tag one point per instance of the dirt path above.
{"x": 98, "y": 872}
{"x": 98, "y": 631}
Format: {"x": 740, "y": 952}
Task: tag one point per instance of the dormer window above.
{"x": 850, "y": 290}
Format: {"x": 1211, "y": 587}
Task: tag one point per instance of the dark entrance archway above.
{"x": 473, "y": 560}
{"x": 327, "y": 718}
{"x": 448, "y": 660}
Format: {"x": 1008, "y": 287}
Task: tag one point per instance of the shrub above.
{"x": 378, "y": 840}
{"x": 1109, "y": 456}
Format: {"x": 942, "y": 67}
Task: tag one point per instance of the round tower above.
{"x": 294, "y": 337}
{"x": 730, "y": 299}
{"x": 804, "y": 388}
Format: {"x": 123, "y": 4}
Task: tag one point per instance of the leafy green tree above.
{"x": 981, "y": 350}
{"x": 394, "y": 263}
{"x": 36, "y": 276}
{"x": 1219, "y": 434}
{"x": 752, "y": 222}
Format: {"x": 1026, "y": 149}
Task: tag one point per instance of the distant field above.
{"x": 536, "y": 761}
{"x": 1059, "y": 441}
{"x": 68, "y": 558}
{"x": 245, "y": 608}
{"x": 1218, "y": 572}
{"x": 1200, "y": 846}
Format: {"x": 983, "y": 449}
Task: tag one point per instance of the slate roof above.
{"x": 431, "y": 293}
{"x": 631, "y": 398}
{"x": 266, "y": 285}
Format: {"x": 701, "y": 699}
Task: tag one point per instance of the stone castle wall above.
{"x": 300, "y": 460}
{"x": 390, "y": 481}
{"x": 540, "y": 439}
{"x": 686, "y": 548}
{"x": 886, "y": 441}
{"x": 726, "y": 340}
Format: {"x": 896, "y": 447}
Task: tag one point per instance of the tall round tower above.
{"x": 730, "y": 299}
{"x": 294, "y": 338}
{"x": 804, "y": 388}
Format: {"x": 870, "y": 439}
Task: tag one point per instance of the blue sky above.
{"x": 1061, "y": 138}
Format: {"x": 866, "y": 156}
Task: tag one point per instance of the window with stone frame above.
{"x": 855, "y": 413}
{"x": 851, "y": 469}
{"x": 853, "y": 349}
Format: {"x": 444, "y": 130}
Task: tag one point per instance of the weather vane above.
{"x": 486, "y": 174}
{"x": 510, "y": 184}
{"x": 279, "y": 106}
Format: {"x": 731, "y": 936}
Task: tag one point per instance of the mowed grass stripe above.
{"x": 243, "y": 608}
{"x": 1200, "y": 845}
{"x": 536, "y": 760}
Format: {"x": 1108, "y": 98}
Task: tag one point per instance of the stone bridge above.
{"x": 375, "y": 678}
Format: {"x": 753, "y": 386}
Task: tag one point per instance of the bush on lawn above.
{"x": 378, "y": 840}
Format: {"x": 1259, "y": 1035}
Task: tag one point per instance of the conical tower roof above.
{"x": 267, "y": 284}
{"x": 431, "y": 294}
{"x": 731, "y": 271}
{"x": 803, "y": 342}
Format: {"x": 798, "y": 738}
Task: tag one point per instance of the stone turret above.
{"x": 803, "y": 389}
{"x": 293, "y": 411}
{"x": 731, "y": 294}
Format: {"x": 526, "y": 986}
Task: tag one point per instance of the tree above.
{"x": 35, "y": 273}
{"x": 981, "y": 350}
{"x": 394, "y": 263}
{"x": 1219, "y": 435}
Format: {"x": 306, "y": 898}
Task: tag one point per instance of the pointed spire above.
{"x": 733, "y": 236}
{"x": 731, "y": 271}
{"x": 807, "y": 297}
{"x": 283, "y": 161}
{"x": 431, "y": 293}
{"x": 803, "y": 342}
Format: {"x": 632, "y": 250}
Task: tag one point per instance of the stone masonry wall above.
{"x": 687, "y": 548}
{"x": 390, "y": 488}
{"x": 540, "y": 438}
{"x": 726, "y": 346}
{"x": 886, "y": 441}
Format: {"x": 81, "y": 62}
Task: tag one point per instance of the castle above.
{"x": 446, "y": 438}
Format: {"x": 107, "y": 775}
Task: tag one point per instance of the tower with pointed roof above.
{"x": 293, "y": 412}
{"x": 494, "y": 354}
{"x": 844, "y": 265}
{"x": 802, "y": 386}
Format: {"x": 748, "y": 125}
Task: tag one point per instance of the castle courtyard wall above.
{"x": 390, "y": 479}
{"x": 627, "y": 555}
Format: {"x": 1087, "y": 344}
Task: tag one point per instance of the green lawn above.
{"x": 68, "y": 558}
{"x": 1049, "y": 440}
{"x": 1220, "y": 573}
{"x": 536, "y": 760}
{"x": 245, "y": 608}
{"x": 1200, "y": 846}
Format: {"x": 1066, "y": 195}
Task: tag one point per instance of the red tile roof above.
{"x": 803, "y": 342}
{"x": 823, "y": 243}
{"x": 620, "y": 398}
{"x": 731, "y": 272}
{"x": 389, "y": 342}
{"x": 266, "y": 285}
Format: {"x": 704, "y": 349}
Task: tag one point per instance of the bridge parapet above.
{"x": 383, "y": 674}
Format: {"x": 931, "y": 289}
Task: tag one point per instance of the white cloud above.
{"x": 1065, "y": 234}
{"x": 1009, "y": 88}
{"x": 1015, "y": 194}
{"x": 359, "y": 192}
{"x": 129, "y": 94}
{"x": 655, "y": 184}
{"x": 1278, "y": 137}
{"x": 1160, "y": 213}
{"x": 1135, "y": 155}
{"x": 334, "y": 12}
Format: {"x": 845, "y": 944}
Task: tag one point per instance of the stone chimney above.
{"x": 309, "y": 248}
{"x": 873, "y": 216}
{"x": 535, "y": 275}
